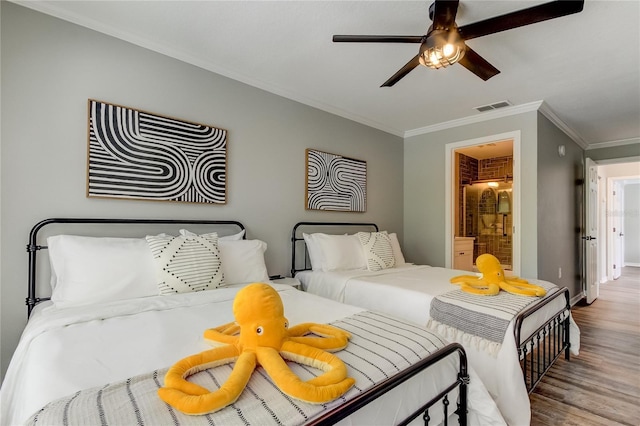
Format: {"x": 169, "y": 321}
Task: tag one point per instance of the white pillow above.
{"x": 334, "y": 252}
{"x": 341, "y": 252}
{"x": 238, "y": 236}
{"x": 243, "y": 261}
{"x": 397, "y": 251}
{"x": 89, "y": 270}
{"x": 377, "y": 250}
{"x": 186, "y": 263}
{"x": 314, "y": 251}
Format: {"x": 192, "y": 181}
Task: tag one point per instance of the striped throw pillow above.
{"x": 186, "y": 263}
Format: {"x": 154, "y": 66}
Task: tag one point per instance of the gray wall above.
{"x": 51, "y": 67}
{"x": 560, "y": 202}
{"x": 424, "y": 186}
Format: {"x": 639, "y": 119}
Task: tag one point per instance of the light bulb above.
{"x": 434, "y": 58}
{"x": 448, "y": 50}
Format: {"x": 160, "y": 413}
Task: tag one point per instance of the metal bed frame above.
{"x": 331, "y": 417}
{"x": 537, "y": 352}
{"x": 33, "y": 247}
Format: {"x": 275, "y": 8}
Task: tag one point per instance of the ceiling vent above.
{"x": 490, "y": 107}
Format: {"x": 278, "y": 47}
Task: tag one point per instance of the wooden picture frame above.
{"x": 335, "y": 183}
{"x": 133, "y": 154}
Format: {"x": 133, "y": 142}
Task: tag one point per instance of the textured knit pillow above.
{"x": 187, "y": 263}
{"x": 377, "y": 250}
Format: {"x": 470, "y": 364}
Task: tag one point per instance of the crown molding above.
{"x": 551, "y": 116}
{"x": 609, "y": 144}
{"x": 540, "y": 106}
{"x": 485, "y": 116}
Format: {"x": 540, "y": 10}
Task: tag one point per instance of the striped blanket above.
{"x": 468, "y": 318}
{"x": 381, "y": 346}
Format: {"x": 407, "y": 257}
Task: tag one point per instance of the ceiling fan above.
{"x": 444, "y": 43}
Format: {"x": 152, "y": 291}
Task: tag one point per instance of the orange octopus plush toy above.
{"x": 261, "y": 336}
{"x": 493, "y": 280}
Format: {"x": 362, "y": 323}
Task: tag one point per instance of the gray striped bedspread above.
{"x": 381, "y": 346}
{"x": 459, "y": 313}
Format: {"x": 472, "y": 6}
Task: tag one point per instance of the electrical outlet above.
{"x": 559, "y": 272}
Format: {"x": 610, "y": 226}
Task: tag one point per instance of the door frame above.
{"x": 615, "y": 221}
{"x": 604, "y": 225}
{"x": 450, "y": 189}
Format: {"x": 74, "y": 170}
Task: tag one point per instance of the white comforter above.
{"x": 63, "y": 351}
{"x": 407, "y": 292}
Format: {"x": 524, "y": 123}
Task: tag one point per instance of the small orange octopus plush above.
{"x": 493, "y": 280}
{"x": 260, "y": 336}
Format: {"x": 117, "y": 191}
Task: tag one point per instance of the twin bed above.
{"x": 102, "y": 333}
{"x": 511, "y": 341}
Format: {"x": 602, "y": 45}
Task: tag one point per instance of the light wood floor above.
{"x": 601, "y": 386}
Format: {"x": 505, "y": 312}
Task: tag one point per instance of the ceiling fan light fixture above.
{"x": 441, "y": 49}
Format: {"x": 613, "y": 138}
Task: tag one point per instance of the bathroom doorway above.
{"x": 484, "y": 200}
{"x": 485, "y": 191}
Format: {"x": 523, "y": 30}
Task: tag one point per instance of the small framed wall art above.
{"x": 335, "y": 183}
{"x": 134, "y": 154}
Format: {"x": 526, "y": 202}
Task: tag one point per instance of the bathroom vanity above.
{"x": 463, "y": 253}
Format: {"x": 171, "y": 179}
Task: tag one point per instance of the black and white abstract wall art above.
{"x": 138, "y": 155}
{"x": 335, "y": 183}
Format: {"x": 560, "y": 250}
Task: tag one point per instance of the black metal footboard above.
{"x": 380, "y": 389}
{"x": 544, "y": 346}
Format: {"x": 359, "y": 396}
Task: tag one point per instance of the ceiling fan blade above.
{"x": 532, "y": 15}
{"x": 406, "y": 69}
{"x": 444, "y": 13}
{"x": 376, "y": 39}
{"x": 478, "y": 65}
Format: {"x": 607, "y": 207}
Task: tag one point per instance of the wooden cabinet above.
{"x": 463, "y": 253}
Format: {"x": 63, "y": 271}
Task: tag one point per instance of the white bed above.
{"x": 407, "y": 291}
{"x": 72, "y": 352}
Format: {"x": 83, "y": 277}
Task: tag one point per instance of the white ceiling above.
{"x": 585, "y": 67}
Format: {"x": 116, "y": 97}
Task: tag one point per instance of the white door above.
{"x": 592, "y": 283}
{"x": 617, "y": 225}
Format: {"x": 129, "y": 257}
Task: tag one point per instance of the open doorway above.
{"x": 619, "y": 216}
{"x": 484, "y": 215}
{"x": 483, "y": 201}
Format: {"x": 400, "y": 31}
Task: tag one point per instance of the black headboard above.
{"x": 299, "y": 255}
{"x": 126, "y": 227}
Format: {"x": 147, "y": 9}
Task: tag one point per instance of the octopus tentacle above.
{"x": 209, "y": 402}
{"x": 482, "y": 288}
{"x": 523, "y": 288}
{"x": 464, "y": 278}
{"x": 334, "y": 369}
{"x": 226, "y": 333}
{"x": 177, "y": 374}
{"x": 474, "y": 285}
{"x": 330, "y": 338}
{"x": 330, "y": 385}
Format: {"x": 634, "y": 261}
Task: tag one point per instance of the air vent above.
{"x": 490, "y": 107}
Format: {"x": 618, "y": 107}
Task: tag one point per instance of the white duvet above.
{"x": 63, "y": 351}
{"x": 407, "y": 291}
